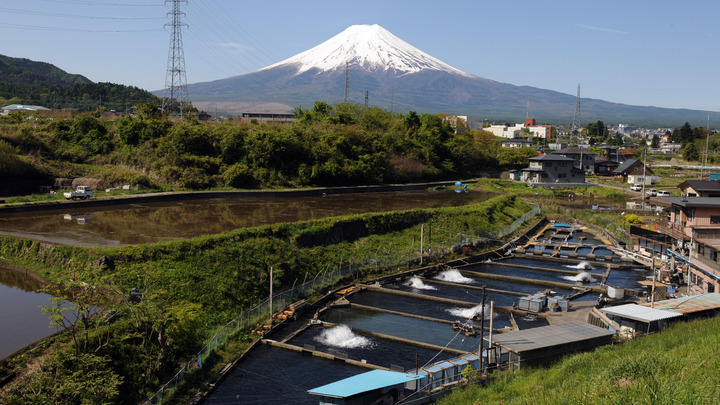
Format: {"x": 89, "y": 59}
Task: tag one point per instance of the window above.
{"x": 715, "y": 219}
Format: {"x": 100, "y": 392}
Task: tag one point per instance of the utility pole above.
{"x": 175, "y": 96}
{"x": 707, "y": 145}
{"x": 367, "y": 95}
{"x": 644, "y": 180}
{"x": 482, "y": 330}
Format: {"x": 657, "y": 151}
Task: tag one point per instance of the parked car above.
{"x": 82, "y": 192}
{"x": 651, "y": 193}
{"x": 636, "y": 187}
{"x": 663, "y": 193}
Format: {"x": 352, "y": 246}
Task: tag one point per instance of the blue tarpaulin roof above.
{"x": 372, "y": 380}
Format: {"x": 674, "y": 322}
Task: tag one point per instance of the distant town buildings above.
{"x": 527, "y": 129}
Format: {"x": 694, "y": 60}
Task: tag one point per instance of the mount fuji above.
{"x": 393, "y": 74}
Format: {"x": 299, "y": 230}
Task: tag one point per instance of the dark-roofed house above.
{"x": 700, "y": 188}
{"x": 604, "y": 167}
{"x": 631, "y": 171}
{"x": 552, "y": 169}
{"x": 584, "y": 159}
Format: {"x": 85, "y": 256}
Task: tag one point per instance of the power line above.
{"x": 88, "y": 17}
{"x": 61, "y": 29}
{"x": 102, "y": 3}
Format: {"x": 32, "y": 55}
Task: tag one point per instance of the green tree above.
{"x": 690, "y": 152}
{"x": 655, "y": 142}
{"x": 683, "y": 135}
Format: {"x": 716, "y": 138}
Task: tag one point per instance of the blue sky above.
{"x": 660, "y": 53}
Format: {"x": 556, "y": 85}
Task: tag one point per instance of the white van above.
{"x": 663, "y": 193}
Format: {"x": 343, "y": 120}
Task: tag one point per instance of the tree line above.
{"x": 326, "y": 145}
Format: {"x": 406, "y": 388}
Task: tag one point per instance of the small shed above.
{"x": 692, "y": 306}
{"x": 365, "y": 388}
{"x": 543, "y": 345}
{"x": 634, "y": 318}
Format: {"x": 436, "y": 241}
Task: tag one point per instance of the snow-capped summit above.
{"x": 370, "y": 47}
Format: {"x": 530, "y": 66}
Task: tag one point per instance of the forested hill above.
{"x": 25, "y": 71}
{"x": 23, "y": 81}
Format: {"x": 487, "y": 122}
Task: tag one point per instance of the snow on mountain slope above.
{"x": 370, "y": 46}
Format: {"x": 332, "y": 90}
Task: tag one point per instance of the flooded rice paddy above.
{"x": 138, "y": 222}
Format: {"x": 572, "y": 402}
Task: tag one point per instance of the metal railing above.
{"x": 260, "y": 312}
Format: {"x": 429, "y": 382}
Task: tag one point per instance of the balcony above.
{"x": 675, "y": 231}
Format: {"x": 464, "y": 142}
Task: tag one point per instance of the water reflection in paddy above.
{"x": 139, "y": 222}
{"x": 21, "y": 319}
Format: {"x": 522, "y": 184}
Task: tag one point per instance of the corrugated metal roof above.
{"x": 691, "y": 304}
{"x": 372, "y": 380}
{"x": 639, "y": 313}
{"x": 548, "y": 336}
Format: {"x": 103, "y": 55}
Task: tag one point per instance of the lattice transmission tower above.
{"x": 175, "y": 96}
{"x": 577, "y": 120}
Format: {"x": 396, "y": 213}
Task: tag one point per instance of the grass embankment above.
{"x": 678, "y": 365}
{"x": 190, "y": 287}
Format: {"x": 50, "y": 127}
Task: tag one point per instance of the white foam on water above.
{"x": 583, "y": 277}
{"x": 342, "y": 336}
{"x": 468, "y": 313}
{"x": 581, "y": 266}
{"x": 453, "y": 276}
{"x": 416, "y": 283}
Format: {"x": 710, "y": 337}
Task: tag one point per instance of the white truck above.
{"x": 82, "y": 192}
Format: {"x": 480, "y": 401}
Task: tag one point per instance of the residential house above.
{"x": 700, "y": 188}
{"x": 604, "y": 167}
{"x": 552, "y": 169}
{"x": 516, "y": 143}
{"x": 633, "y": 171}
{"x": 583, "y": 158}
{"x": 698, "y": 219}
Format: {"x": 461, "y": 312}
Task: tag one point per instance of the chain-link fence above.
{"x": 261, "y": 312}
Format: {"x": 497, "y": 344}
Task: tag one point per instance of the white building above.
{"x": 503, "y": 131}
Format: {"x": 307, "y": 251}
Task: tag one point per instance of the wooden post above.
{"x": 271, "y": 297}
{"x": 422, "y": 235}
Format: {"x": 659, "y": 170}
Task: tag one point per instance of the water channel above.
{"x": 21, "y": 319}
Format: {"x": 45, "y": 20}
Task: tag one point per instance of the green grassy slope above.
{"x": 679, "y": 365}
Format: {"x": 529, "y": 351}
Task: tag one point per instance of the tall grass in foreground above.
{"x": 679, "y": 365}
